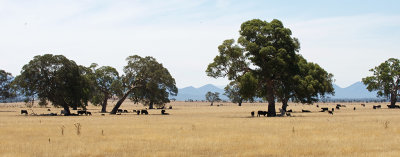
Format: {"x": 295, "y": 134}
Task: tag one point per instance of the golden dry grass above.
{"x": 196, "y": 129}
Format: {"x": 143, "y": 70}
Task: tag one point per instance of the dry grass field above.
{"x": 197, "y": 129}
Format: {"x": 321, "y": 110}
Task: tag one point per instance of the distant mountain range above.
{"x": 355, "y": 91}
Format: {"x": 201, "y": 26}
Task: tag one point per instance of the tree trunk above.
{"x": 393, "y": 99}
{"x": 284, "y": 104}
{"x": 151, "y": 105}
{"x": 119, "y": 103}
{"x": 240, "y": 102}
{"x": 66, "y": 110}
{"x": 271, "y": 102}
{"x": 104, "y": 105}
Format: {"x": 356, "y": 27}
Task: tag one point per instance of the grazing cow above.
{"x": 376, "y": 107}
{"x": 259, "y": 113}
{"x": 24, "y": 112}
{"x": 88, "y": 113}
{"x": 145, "y": 112}
{"x": 119, "y": 110}
{"x": 338, "y": 107}
{"x": 170, "y": 107}
{"x": 125, "y": 111}
{"x": 323, "y": 109}
{"x": 305, "y": 111}
{"x": 81, "y": 112}
{"x": 138, "y": 112}
{"x": 252, "y": 113}
{"x": 330, "y": 112}
{"x": 393, "y": 106}
{"x": 289, "y": 110}
{"x": 363, "y": 105}
{"x": 161, "y": 107}
{"x": 163, "y": 112}
{"x": 48, "y": 110}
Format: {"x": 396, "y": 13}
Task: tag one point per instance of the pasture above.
{"x": 197, "y": 129}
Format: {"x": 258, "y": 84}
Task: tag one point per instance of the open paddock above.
{"x": 197, "y": 129}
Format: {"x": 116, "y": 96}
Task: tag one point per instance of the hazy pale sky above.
{"x": 345, "y": 38}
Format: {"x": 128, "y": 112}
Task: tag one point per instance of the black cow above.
{"x": 289, "y": 110}
{"x": 125, "y": 111}
{"x": 288, "y": 114}
{"x": 119, "y": 110}
{"x": 330, "y": 112}
{"x": 81, "y": 112}
{"x": 333, "y": 109}
{"x": 48, "y": 110}
{"x": 161, "y": 107}
{"x": 24, "y": 112}
{"x": 138, "y": 112}
{"x": 376, "y": 107}
{"x": 170, "y": 107}
{"x": 338, "y": 107}
{"x": 88, "y": 113}
{"x": 354, "y": 108}
{"x": 393, "y": 106}
{"x": 252, "y": 113}
{"x": 145, "y": 112}
{"x": 163, "y": 112}
{"x": 259, "y": 113}
{"x": 363, "y": 105}
{"x": 305, "y": 111}
{"x": 323, "y": 109}
{"x": 317, "y": 105}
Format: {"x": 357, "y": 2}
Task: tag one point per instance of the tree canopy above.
{"x": 56, "y": 79}
{"x": 146, "y": 81}
{"x": 212, "y": 97}
{"x": 5, "y": 85}
{"x": 265, "y": 62}
{"x": 385, "y": 80}
{"x": 232, "y": 91}
{"x": 107, "y": 83}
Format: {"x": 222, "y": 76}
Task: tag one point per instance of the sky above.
{"x": 346, "y": 38}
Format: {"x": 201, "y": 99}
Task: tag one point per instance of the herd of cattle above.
{"x": 259, "y": 113}
{"x": 323, "y": 109}
{"x": 88, "y": 113}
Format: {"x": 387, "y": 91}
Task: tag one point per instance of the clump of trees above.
{"x": 212, "y": 97}
{"x": 146, "y": 81}
{"x": 385, "y": 80}
{"x": 5, "y": 85}
{"x": 106, "y": 84}
{"x": 56, "y": 79}
{"x": 232, "y": 91}
{"x": 265, "y": 63}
